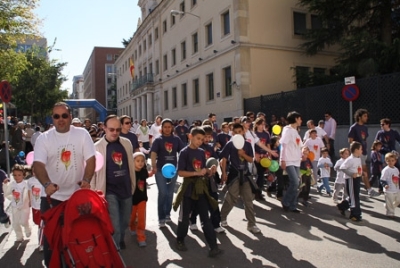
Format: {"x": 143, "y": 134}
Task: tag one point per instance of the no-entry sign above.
{"x": 350, "y": 92}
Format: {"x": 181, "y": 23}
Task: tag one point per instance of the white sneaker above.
{"x": 254, "y": 229}
{"x": 219, "y": 230}
{"x": 193, "y": 227}
{"x": 161, "y": 224}
{"x": 224, "y": 223}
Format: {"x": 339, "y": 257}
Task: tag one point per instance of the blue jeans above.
{"x": 166, "y": 189}
{"x": 120, "y": 213}
{"x": 290, "y": 197}
{"x": 325, "y": 183}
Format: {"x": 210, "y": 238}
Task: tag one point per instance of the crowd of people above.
{"x": 207, "y": 157}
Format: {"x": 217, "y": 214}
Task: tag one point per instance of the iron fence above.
{"x": 380, "y": 95}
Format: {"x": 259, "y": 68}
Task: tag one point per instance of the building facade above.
{"x": 206, "y": 56}
{"x": 99, "y": 78}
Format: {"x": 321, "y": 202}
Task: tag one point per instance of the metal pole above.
{"x": 6, "y": 138}
{"x": 351, "y": 112}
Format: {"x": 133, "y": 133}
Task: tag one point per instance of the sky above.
{"x": 79, "y": 26}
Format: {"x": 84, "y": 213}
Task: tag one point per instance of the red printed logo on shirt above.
{"x": 196, "y": 164}
{"x": 263, "y": 141}
{"x": 168, "y": 147}
{"x": 66, "y": 158}
{"x": 298, "y": 141}
{"x": 363, "y": 135}
{"x": 359, "y": 171}
{"x": 117, "y": 158}
{"x": 17, "y": 196}
{"x": 395, "y": 180}
{"x": 36, "y": 192}
{"x": 315, "y": 147}
{"x": 207, "y": 154}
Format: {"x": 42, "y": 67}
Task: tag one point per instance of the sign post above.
{"x": 350, "y": 92}
{"x": 5, "y": 94}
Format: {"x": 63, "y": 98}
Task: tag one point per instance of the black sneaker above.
{"x": 122, "y": 245}
{"x": 295, "y": 210}
{"x": 180, "y": 245}
{"x": 342, "y": 212}
{"x": 214, "y": 252}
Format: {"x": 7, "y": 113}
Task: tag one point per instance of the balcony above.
{"x": 141, "y": 81}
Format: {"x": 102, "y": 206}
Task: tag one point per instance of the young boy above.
{"x": 193, "y": 193}
{"x": 215, "y": 214}
{"x": 315, "y": 144}
{"x": 238, "y": 179}
{"x": 17, "y": 192}
{"x": 324, "y": 165}
{"x": 340, "y": 182}
{"x": 305, "y": 171}
{"x": 390, "y": 183}
{"x": 352, "y": 169}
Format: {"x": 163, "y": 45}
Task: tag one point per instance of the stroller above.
{"x": 80, "y": 231}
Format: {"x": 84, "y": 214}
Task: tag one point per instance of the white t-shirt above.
{"x": 17, "y": 193}
{"x": 155, "y": 131}
{"x": 340, "y": 176}
{"x": 391, "y": 177}
{"x": 36, "y": 190}
{"x": 320, "y": 133}
{"x": 315, "y": 146}
{"x": 325, "y": 171}
{"x": 143, "y": 136}
{"x": 292, "y": 144}
{"x": 64, "y": 155}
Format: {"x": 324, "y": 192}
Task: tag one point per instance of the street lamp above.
{"x": 178, "y": 12}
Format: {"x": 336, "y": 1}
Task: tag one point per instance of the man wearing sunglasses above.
{"x": 64, "y": 161}
{"x": 126, "y": 124}
{"x": 116, "y": 179}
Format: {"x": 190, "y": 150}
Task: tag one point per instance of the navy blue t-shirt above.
{"x": 141, "y": 188}
{"x": 181, "y": 132}
{"x": 222, "y": 139}
{"x": 306, "y": 164}
{"x": 208, "y": 151}
{"x": 191, "y": 160}
{"x": 264, "y": 139}
{"x": 359, "y": 133}
{"x": 133, "y": 138}
{"x": 231, "y": 154}
{"x": 388, "y": 139}
{"x": 167, "y": 149}
{"x": 118, "y": 181}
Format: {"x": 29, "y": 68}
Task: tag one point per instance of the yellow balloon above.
{"x": 276, "y": 129}
{"x": 265, "y": 162}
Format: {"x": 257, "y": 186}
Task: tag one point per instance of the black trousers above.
{"x": 201, "y": 206}
{"x": 215, "y": 214}
{"x": 305, "y": 191}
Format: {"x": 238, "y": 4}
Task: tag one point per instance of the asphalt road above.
{"x": 317, "y": 237}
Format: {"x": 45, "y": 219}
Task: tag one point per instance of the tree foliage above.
{"x": 367, "y": 33}
{"x": 38, "y": 86}
{"x": 17, "y": 22}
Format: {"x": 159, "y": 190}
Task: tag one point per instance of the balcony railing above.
{"x": 141, "y": 81}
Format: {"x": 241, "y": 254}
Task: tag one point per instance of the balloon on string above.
{"x": 29, "y": 158}
{"x": 238, "y": 141}
{"x": 168, "y": 171}
{"x": 274, "y": 166}
{"x": 276, "y": 129}
{"x": 311, "y": 156}
{"x": 99, "y": 161}
{"x": 211, "y": 161}
{"x": 265, "y": 162}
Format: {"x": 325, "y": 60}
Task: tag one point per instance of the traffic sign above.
{"x": 5, "y": 91}
{"x": 350, "y": 92}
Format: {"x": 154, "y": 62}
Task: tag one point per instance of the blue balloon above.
{"x": 21, "y": 154}
{"x": 168, "y": 171}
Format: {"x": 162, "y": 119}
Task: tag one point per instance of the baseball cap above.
{"x": 76, "y": 121}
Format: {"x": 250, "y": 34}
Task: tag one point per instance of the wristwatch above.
{"x": 86, "y": 179}
{"x": 47, "y": 184}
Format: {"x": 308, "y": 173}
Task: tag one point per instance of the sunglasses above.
{"x": 383, "y": 124}
{"x": 57, "y": 116}
{"x": 114, "y": 129}
{"x": 127, "y": 123}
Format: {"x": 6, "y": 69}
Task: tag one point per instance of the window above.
{"x": 182, "y": 6}
{"x": 210, "y": 86}
{"x": 194, "y": 2}
{"x": 302, "y": 76}
{"x": 319, "y": 76}
{"x": 184, "y": 94}
{"x": 316, "y": 23}
{"x": 140, "y": 50}
{"x": 135, "y": 54}
{"x": 165, "y": 100}
{"x": 164, "y": 26}
{"x": 195, "y": 41}
{"x": 174, "y": 98}
{"x": 228, "y": 81}
{"x": 299, "y": 20}
{"x": 150, "y": 40}
{"x": 151, "y": 68}
{"x": 109, "y": 57}
{"x": 226, "y": 28}
{"x": 172, "y": 20}
{"x": 209, "y": 40}
{"x": 165, "y": 62}
{"x": 183, "y": 50}
{"x": 173, "y": 56}
{"x": 144, "y": 45}
{"x": 196, "y": 91}
{"x": 157, "y": 67}
{"x": 156, "y": 33}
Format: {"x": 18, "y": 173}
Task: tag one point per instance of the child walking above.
{"x": 324, "y": 165}
{"x": 139, "y": 200}
{"x": 4, "y": 218}
{"x": 376, "y": 164}
{"x": 193, "y": 194}
{"x": 340, "y": 182}
{"x": 352, "y": 167}
{"x": 305, "y": 171}
{"x": 17, "y": 192}
{"x": 390, "y": 183}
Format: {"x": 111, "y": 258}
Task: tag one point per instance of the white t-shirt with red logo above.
{"x": 17, "y": 193}
{"x": 315, "y": 145}
{"x": 36, "y": 191}
{"x": 292, "y": 144}
{"x": 391, "y": 177}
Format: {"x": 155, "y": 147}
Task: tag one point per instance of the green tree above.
{"x": 38, "y": 86}
{"x": 367, "y": 33}
{"x": 17, "y": 22}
